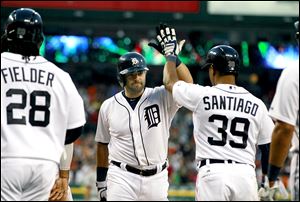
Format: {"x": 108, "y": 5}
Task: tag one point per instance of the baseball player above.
{"x": 132, "y": 135}
{"x": 228, "y": 124}
{"x": 285, "y": 111}
{"x": 41, "y": 110}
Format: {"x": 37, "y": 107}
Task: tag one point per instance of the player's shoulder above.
{"x": 157, "y": 92}
{"x": 256, "y": 100}
{"x": 34, "y": 61}
{"x": 112, "y": 100}
{"x": 242, "y": 92}
{"x": 156, "y": 89}
{"x": 54, "y": 67}
{"x": 192, "y": 86}
{"x": 291, "y": 73}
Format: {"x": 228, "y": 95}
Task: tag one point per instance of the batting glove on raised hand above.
{"x": 102, "y": 188}
{"x": 166, "y": 41}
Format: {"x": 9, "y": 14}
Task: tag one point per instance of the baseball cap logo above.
{"x": 134, "y": 61}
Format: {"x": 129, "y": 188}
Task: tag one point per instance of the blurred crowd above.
{"x": 182, "y": 166}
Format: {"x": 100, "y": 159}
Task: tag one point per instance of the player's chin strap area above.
{"x": 143, "y": 172}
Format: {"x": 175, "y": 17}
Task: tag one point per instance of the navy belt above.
{"x": 148, "y": 172}
{"x": 211, "y": 161}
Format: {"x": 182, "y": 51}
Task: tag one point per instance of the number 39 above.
{"x": 233, "y": 131}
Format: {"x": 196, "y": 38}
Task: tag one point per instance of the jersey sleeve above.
{"x": 102, "y": 132}
{"x": 76, "y": 113}
{"x": 285, "y": 104}
{"x": 187, "y": 94}
{"x": 172, "y": 107}
{"x": 266, "y": 127}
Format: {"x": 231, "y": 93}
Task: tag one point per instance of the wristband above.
{"x": 273, "y": 172}
{"x": 101, "y": 173}
{"x": 171, "y": 58}
{"x": 178, "y": 61}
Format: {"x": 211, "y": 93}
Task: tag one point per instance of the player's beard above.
{"x": 136, "y": 87}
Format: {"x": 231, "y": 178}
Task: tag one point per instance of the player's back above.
{"x": 229, "y": 122}
{"x": 39, "y": 103}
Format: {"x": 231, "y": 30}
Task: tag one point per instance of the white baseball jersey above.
{"x": 228, "y": 121}
{"x": 39, "y": 102}
{"x": 137, "y": 137}
{"x": 285, "y": 104}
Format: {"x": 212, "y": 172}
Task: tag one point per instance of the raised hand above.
{"x": 166, "y": 41}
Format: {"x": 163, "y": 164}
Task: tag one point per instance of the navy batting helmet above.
{"x": 224, "y": 58}
{"x": 24, "y": 27}
{"x": 129, "y": 63}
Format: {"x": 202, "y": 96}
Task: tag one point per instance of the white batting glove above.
{"x": 168, "y": 41}
{"x": 267, "y": 193}
{"x": 102, "y": 188}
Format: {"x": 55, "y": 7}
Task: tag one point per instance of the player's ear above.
{"x": 214, "y": 70}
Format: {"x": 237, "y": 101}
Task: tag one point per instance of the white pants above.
{"x": 27, "y": 179}
{"x": 226, "y": 182}
{"x": 126, "y": 186}
{"x": 294, "y": 177}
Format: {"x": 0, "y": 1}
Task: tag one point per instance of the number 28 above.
{"x": 34, "y": 107}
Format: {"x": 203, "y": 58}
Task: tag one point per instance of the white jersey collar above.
{"x": 20, "y": 58}
{"x": 231, "y": 88}
{"x": 121, "y": 98}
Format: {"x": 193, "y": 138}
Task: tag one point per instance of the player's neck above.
{"x": 131, "y": 94}
{"x": 226, "y": 79}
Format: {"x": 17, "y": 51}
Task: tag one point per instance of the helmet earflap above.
{"x": 121, "y": 80}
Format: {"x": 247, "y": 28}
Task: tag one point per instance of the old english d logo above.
{"x": 134, "y": 61}
{"x": 152, "y": 115}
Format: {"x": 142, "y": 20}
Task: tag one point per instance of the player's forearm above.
{"x": 184, "y": 73}
{"x": 281, "y": 140}
{"x": 170, "y": 75}
{"x": 265, "y": 150}
{"x": 102, "y": 162}
{"x": 65, "y": 161}
{"x": 102, "y": 155}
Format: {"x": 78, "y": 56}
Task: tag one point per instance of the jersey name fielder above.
{"x": 41, "y": 102}
{"x": 228, "y": 121}
{"x": 137, "y": 137}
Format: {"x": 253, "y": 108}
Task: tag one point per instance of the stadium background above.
{"x": 85, "y": 38}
